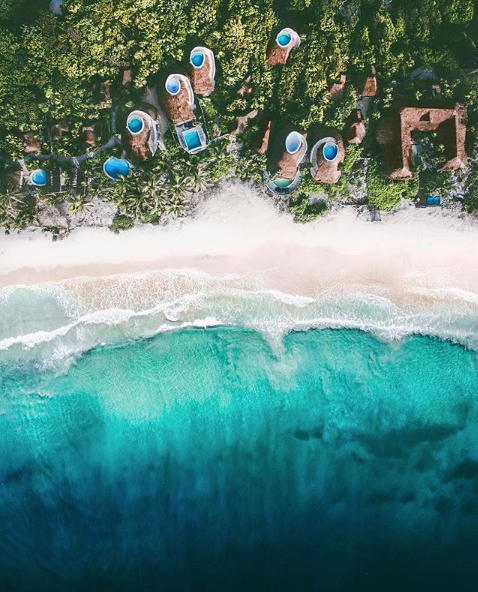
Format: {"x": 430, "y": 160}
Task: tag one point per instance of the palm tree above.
{"x": 77, "y": 204}
{"x": 195, "y": 179}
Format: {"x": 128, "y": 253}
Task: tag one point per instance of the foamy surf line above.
{"x": 88, "y": 312}
{"x": 239, "y": 262}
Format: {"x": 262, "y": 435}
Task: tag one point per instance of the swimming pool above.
{"x": 192, "y": 140}
{"x": 282, "y": 182}
{"x": 293, "y": 142}
{"x": 197, "y": 59}
{"x": 330, "y": 151}
{"x": 173, "y": 86}
{"x": 135, "y": 125}
{"x": 283, "y": 39}
{"x": 39, "y": 177}
{"x": 115, "y": 168}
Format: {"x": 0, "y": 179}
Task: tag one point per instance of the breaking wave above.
{"x": 53, "y": 323}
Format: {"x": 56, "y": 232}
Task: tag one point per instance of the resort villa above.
{"x": 286, "y": 150}
{"x": 202, "y": 71}
{"x": 326, "y": 155}
{"x": 395, "y": 136}
{"x": 178, "y": 103}
{"x": 281, "y": 47}
{"x": 355, "y": 129}
{"x": 141, "y": 134}
{"x": 285, "y": 146}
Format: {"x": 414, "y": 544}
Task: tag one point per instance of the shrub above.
{"x": 305, "y": 210}
{"x": 121, "y": 222}
{"x": 386, "y": 194}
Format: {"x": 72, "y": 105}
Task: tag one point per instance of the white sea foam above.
{"x": 196, "y": 299}
{"x": 240, "y": 262}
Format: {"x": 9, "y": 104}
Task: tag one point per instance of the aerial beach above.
{"x": 238, "y": 295}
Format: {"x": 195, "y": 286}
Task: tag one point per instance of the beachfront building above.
{"x": 282, "y": 46}
{"x": 31, "y": 142}
{"x": 202, "y": 71}
{"x": 286, "y": 149}
{"x": 141, "y": 134}
{"x": 395, "y": 136}
{"x": 336, "y": 91}
{"x": 326, "y": 156}
{"x": 369, "y": 83}
{"x": 178, "y": 103}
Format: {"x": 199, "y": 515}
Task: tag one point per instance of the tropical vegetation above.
{"x": 52, "y": 69}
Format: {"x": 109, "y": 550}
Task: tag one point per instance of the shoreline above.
{"x": 240, "y": 262}
{"x": 237, "y": 229}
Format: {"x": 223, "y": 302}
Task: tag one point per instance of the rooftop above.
{"x": 178, "y": 99}
{"x": 395, "y": 136}
{"x": 326, "y": 156}
{"x": 202, "y": 70}
{"x": 141, "y": 143}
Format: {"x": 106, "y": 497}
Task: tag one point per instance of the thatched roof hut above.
{"x": 281, "y": 47}
{"x": 106, "y": 101}
{"x": 141, "y": 136}
{"x": 90, "y": 134}
{"x": 202, "y": 70}
{"x": 178, "y": 99}
{"x": 58, "y": 129}
{"x": 127, "y": 74}
{"x": 370, "y": 83}
{"x": 355, "y": 129}
{"x": 326, "y": 156}
{"x": 395, "y": 136}
{"x": 287, "y": 148}
{"x": 242, "y": 122}
{"x": 266, "y": 129}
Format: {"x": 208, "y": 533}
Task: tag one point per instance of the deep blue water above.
{"x": 202, "y": 460}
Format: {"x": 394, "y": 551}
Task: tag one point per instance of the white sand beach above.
{"x": 239, "y": 261}
{"x": 237, "y": 230}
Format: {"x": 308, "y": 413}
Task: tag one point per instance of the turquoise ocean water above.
{"x": 218, "y": 459}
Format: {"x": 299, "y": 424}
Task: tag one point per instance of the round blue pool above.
{"x": 283, "y": 39}
{"x": 293, "y": 142}
{"x": 135, "y": 125}
{"x": 330, "y": 151}
{"x": 197, "y": 60}
{"x": 173, "y": 86}
{"x": 39, "y": 178}
{"x": 115, "y": 168}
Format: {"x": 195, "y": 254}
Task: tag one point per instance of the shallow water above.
{"x": 204, "y": 459}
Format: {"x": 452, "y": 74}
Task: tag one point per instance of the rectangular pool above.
{"x": 192, "y": 139}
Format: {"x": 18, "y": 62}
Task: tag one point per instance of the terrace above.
{"x": 395, "y": 136}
